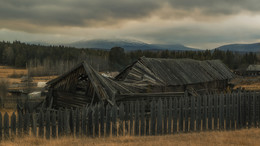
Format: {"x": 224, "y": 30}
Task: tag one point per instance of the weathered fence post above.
{"x": 20, "y": 123}
{"x": 41, "y": 125}
{"x": 210, "y": 97}
{"x": 216, "y": 104}
{"x": 66, "y": 122}
{"x": 186, "y": 113}
{"x": 153, "y": 117}
{"x": 165, "y": 115}
{"x": 136, "y": 118}
{"x": 254, "y": 109}
{"x": 142, "y": 117}
{"x": 26, "y": 123}
{"x": 53, "y": 126}
{"x": 221, "y": 112}
{"x": 102, "y": 121}
{"x": 232, "y": 111}
{"x": 198, "y": 120}
{"x": 77, "y": 122}
{"x": 121, "y": 121}
{"x": 60, "y": 123}
{"x": 71, "y": 122}
{"x": 131, "y": 117}
{"x": 108, "y": 119}
{"x": 96, "y": 120}
{"x": 90, "y": 122}
{"x": 6, "y": 125}
{"x": 204, "y": 123}
{"x": 228, "y": 111}
{"x": 248, "y": 109}
{"x": 127, "y": 118}
{"x": 159, "y": 117}
{"x": 34, "y": 124}
{"x": 84, "y": 121}
{"x": 13, "y": 124}
{"x": 170, "y": 116}
{"x": 181, "y": 106}
{"x": 114, "y": 117}
{"x": 48, "y": 125}
{"x": 175, "y": 115}
{"x": 192, "y": 113}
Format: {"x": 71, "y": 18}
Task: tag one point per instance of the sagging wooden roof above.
{"x": 104, "y": 88}
{"x": 165, "y": 72}
{"x": 253, "y": 67}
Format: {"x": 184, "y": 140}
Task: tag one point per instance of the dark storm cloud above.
{"x": 95, "y": 13}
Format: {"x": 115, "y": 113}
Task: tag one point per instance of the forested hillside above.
{"x": 57, "y": 59}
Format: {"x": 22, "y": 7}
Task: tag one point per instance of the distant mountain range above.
{"x": 241, "y": 47}
{"x": 128, "y": 45}
{"x": 131, "y": 45}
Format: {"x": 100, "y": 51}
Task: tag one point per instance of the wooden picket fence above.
{"x": 157, "y": 117}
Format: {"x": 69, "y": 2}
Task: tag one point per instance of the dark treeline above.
{"x": 49, "y": 60}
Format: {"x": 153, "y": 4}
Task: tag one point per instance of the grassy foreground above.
{"x": 240, "y": 137}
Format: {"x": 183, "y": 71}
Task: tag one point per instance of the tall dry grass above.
{"x": 240, "y": 137}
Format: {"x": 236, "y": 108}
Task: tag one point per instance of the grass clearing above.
{"x": 226, "y": 138}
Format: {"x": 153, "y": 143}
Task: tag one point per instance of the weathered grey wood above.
{"x": 228, "y": 112}
{"x": 66, "y": 122}
{"x": 108, "y": 119}
{"x": 48, "y": 125}
{"x": 257, "y": 109}
{"x": 89, "y": 122}
{"x": 204, "y": 123}
{"x": 192, "y": 113}
{"x": 159, "y": 117}
{"x": 131, "y": 117}
{"x": 210, "y": 98}
{"x": 221, "y": 112}
{"x": 127, "y": 108}
{"x": 96, "y": 120}
{"x": 181, "y": 115}
{"x": 13, "y": 124}
{"x": 77, "y": 122}
{"x": 114, "y": 119}
{"x": 34, "y": 124}
{"x": 136, "y": 118}
{"x": 216, "y": 111}
{"x": 198, "y": 114}
{"x": 153, "y": 117}
{"x": 84, "y": 121}
{"x": 102, "y": 118}
{"x": 147, "y": 124}
{"x": 186, "y": 113}
{"x": 121, "y": 117}
{"x": 232, "y": 111}
{"x": 60, "y": 123}
{"x": 26, "y": 123}
{"x": 165, "y": 115}
{"x": 41, "y": 124}
{"x": 170, "y": 116}
{"x": 6, "y": 125}
{"x": 20, "y": 123}
{"x": 142, "y": 117}
{"x": 175, "y": 115}
{"x": 240, "y": 111}
{"x": 71, "y": 122}
{"x": 254, "y": 109}
{"x": 53, "y": 125}
{"x": 248, "y": 110}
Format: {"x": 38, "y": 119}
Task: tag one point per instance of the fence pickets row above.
{"x": 156, "y": 117}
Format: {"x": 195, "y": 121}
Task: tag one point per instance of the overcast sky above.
{"x": 204, "y": 24}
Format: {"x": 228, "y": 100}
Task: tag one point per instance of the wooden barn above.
{"x": 177, "y": 75}
{"x": 144, "y": 79}
{"x": 253, "y": 70}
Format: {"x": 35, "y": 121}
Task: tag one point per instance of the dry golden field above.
{"x": 240, "y": 137}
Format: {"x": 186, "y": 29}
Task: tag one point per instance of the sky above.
{"x": 204, "y": 24}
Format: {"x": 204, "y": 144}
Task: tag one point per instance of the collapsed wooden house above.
{"x": 144, "y": 79}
